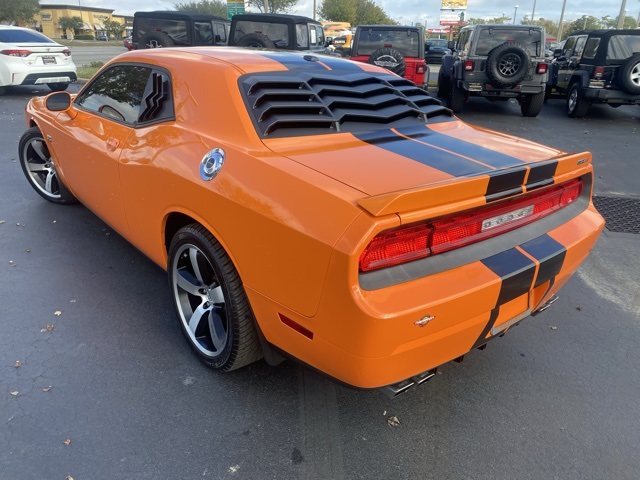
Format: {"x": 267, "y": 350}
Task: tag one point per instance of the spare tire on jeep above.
{"x": 507, "y": 64}
{"x": 255, "y": 40}
{"x": 629, "y": 74}
{"x": 155, "y": 39}
{"x": 389, "y": 58}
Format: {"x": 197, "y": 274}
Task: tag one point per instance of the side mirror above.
{"x": 557, "y": 52}
{"x": 451, "y": 45}
{"x": 58, "y": 101}
{"x": 427, "y": 47}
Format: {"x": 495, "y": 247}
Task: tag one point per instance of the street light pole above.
{"x": 564, "y": 4}
{"x": 533, "y": 12}
{"x": 622, "y": 15}
{"x": 515, "y": 14}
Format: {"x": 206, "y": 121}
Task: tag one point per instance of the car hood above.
{"x": 442, "y": 156}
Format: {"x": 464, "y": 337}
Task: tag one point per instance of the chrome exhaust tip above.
{"x": 396, "y": 389}
{"x": 548, "y": 303}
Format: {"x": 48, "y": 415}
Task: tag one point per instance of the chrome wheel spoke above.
{"x": 195, "y": 265}
{"x": 188, "y": 282}
{"x": 198, "y": 314}
{"x": 217, "y": 329}
{"x": 217, "y": 296}
{"x": 37, "y": 167}
{"x": 40, "y": 149}
{"x": 48, "y": 184}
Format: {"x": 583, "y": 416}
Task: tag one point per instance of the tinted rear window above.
{"x": 490, "y": 38}
{"x": 405, "y": 41}
{"x": 277, "y": 32}
{"x": 622, "y": 47}
{"x": 437, "y": 42}
{"x": 176, "y": 29}
{"x": 23, "y": 36}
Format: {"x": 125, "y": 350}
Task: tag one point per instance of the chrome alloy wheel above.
{"x": 572, "y": 100}
{"x": 41, "y": 169}
{"x": 200, "y": 300}
{"x": 635, "y": 74}
{"x": 509, "y": 64}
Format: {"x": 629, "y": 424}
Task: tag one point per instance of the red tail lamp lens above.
{"x": 542, "y": 68}
{"x": 406, "y": 244}
{"x": 598, "y": 72}
{"x": 16, "y": 53}
{"x": 468, "y": 66}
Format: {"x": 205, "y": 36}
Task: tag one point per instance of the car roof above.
{"x": 164, "y": 14}
{"x": 606, "y": 33}
{"x": 274, "y": 17}
{"x": 389, "y": 27}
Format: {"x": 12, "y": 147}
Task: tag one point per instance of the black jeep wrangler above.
{"x": 597, "y": 66}
{"x": 168, "y": 29}
{"x": 277, "y": 31}
{"x": 497, "y": 62}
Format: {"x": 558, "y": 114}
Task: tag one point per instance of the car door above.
{"x": 91, "y": 139}
{"x": 569, "y": 61}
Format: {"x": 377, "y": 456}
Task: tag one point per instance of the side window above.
{"x": 314, "y": 35}
{"x": 320, "y": 35}
{"x": 591, "y": 47}
{"x": 202, "y": 33}
{"x": 579, "y": 47}
{"x": 568, "y": 46}
{"x": 463, "y": 41}
{"x": 221, "y": 33}
{"x": 128, "y": 94}
{"x": 302, "y": 35}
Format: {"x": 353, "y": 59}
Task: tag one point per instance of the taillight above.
{"x": 542, "y": 68}
{"x": 468, "y": 66}
{"x": 420, "y": 69}
{"x": 66, "y": 52}
{"x": 16, "y": 53}
{"x": 408, "y": 243}
{"x": 598, "y": 72}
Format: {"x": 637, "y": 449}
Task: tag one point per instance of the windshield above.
{"x": 490, "y": 38}
{"x": 405, "y": 41}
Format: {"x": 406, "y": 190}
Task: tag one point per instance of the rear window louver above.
{"x": 305, "y": 104}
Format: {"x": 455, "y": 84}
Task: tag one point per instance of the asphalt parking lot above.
{"x": 108, "y": 388}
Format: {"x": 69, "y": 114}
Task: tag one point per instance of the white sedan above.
{"x": 29, "y": 58}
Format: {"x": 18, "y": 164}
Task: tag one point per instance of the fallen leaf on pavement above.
{"x": 554, "y": 328}
{"x": 17, "y": 364}
{"x": 393, "y": 421}
{"x": 67, "y": 441}
{"x": 15, "y": 393}
{"x": 49, "y": 328}
{"x": 57, "y": 313}
{"x": 46, "y": 389}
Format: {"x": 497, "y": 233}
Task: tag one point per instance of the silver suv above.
{"x": 497, "y": 62}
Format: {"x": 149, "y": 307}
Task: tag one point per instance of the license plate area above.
{"x": 49, "y": 60}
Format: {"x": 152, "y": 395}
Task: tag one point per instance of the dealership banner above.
{"x": 454, "y": 5}
{"x": 449, "y": 18}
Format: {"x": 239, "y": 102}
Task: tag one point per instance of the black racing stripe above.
{"x": 293, "y": 62}
{"x": 419, "y": 152}
{"x": 461, "y": 147}
{"x": 516, "y": 271}
{"x": 550, "y": 254}
{"x": 504, "y": 184}
{"x": 482, "y": 338}
{"x": 541, "y": 174}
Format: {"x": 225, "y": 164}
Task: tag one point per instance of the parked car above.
{"x": 176, "y": 28}
{"x": 597, "y": 66}
{"x": 496, "y": 62}
{"x": 435, "y": 48}
{"x": 102, "y": 37}
{"x": 399, "y": 49}
{"x": 29, "y": 58}
{"x": 324, "y": 208}
{"x": 128, "y": 44}
{"x": 277, "y": 31}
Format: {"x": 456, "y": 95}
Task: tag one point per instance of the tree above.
{"x": 356, "y": 12}
{"x": 275, "y": 6}
{"x": 485, "y": 21}
{"x": 18, "y": 11}
{"x": 70, "y": 23}
{"x": 212, "y": 7}
{"x": 114, "y": 29}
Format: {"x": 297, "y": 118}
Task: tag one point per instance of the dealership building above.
{"x": 47, "y": 20}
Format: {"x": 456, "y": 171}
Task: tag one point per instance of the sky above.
{"x": 411, "y": 11}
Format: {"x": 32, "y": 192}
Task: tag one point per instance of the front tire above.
{"x": 214, "y": 311}
{"x": 39, "y": 167}
{"x": 577, "y": 106}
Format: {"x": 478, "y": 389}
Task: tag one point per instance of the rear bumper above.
{"x": 374, "y": 338}
{"x": 49, "y": 77}
{"x": 603, "y": 95}
{"x": 485, "y": 89}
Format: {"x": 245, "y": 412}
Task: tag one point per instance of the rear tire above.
{"x": 389, "y": 58}
{"x": 155, "y": 39}
{"x": 456, "y": 98}
{"x": 444, "y": 85}
{"x": 532, "y": 104}
{"x": 577, "y": 106}
{"x": 213, "y": 308}
{"x": 58, "y": 87}
{"x": 630, "y": 75}
{"x": 255, "y": 40}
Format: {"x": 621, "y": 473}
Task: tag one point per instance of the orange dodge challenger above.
{"x": 317, "y": 207}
